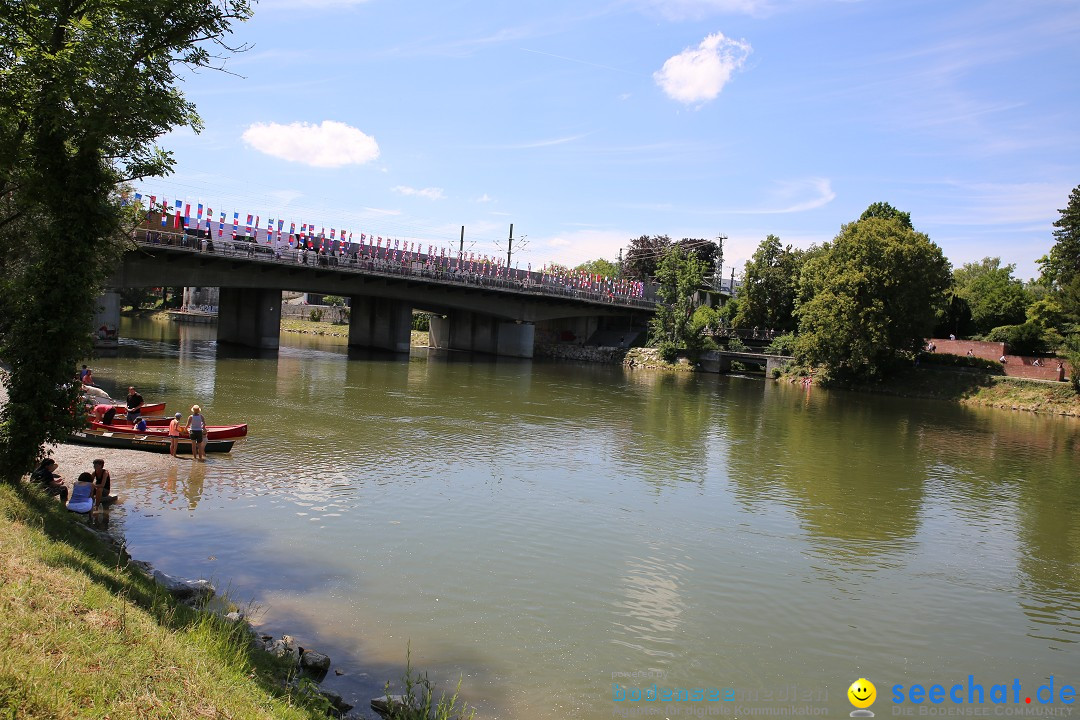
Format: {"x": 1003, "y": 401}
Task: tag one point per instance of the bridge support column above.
{"x": 773, "y": 363}
{"x": 107, "y": 312}
{"x": 250, "y": 317}
{"x": 475, "y": 332}
{"x": 380, "y": 323}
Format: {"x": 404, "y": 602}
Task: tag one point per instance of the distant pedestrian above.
{"x": 952, "y": 336}
{"x": 1002, "y": 360}
{"x": 970, "y": 352}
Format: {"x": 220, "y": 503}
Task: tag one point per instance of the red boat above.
{"x": 146, "y": 409}
{"x": 213, "y": 432}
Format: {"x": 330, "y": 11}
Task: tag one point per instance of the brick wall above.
{"x": 1015, "y": 365}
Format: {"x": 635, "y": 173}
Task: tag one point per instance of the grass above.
{"x": 86, "y": 635}
{"x": 975, "y": 388}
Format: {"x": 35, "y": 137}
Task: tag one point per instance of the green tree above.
{"x": 643, "y": 256}
{"x": 709, "y": 252}
{"x": 885, "y": 211}
{"x": 86, "y": 90}
{"x": 680, "y": 276}
{"x": 770, "y": 286}
{"x": 994, "y": 297}
{"x": 873, "y": 291}
{"x": 1061, "y": 266}
{"x": 601, "y": 267}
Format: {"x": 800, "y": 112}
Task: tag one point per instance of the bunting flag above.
{"x": 249, "y": 224}
{"x": 209, "y": 218}
{"x": 221, "y": 224}
{"x": 332, "y": 233}
{"x": 235, "y": 223}
{"x": 256, "y": 235}
{"x": 151, "y": 207}
{"x": 187, "y": 214}
{"x": 198, "y": 215}
{"x": 280, "y": 225}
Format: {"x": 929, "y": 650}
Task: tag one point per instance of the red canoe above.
{"x": 146, "y": 409}
{"x": 214, "y": 432}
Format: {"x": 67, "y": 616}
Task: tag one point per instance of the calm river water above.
{"x": 547, "y": 530}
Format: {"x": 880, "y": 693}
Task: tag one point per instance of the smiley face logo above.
{"x": 862, "y": 693}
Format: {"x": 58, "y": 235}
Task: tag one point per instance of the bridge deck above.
{"x": 527, "y": 284}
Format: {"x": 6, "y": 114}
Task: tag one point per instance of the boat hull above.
{"x": 147, "y": 443}
{"x": 159, "y": 428}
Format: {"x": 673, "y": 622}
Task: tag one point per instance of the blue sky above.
{"x": 587, "y": 124}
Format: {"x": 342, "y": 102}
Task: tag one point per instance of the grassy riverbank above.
{"x": 84, "y": 634}
{"x": 970, "y": 388}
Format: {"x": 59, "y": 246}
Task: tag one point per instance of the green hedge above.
{"x": 950, "y": 360}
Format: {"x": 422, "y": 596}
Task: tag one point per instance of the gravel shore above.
{"x": 74, "y": 459}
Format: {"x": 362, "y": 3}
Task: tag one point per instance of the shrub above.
{"x": 1025, "y": 339}
{"x": 735, "y": 344}
{"x": 950, "y": 360}
{"x": 421, "y": 321}
{"x": 782, "y": 345}
{"x": 669, "y": 351}
{"x": 315, "y": 314}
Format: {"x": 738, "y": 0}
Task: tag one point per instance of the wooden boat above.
{"x": 159, "y": 427}
{"x": 135, "y": 441}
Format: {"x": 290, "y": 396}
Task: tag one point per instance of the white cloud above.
{"x": 331, "y": 144}
{"x": 485, "y": 198}
{"x": 697, "y": 75}
{"x": 431, "y": 193}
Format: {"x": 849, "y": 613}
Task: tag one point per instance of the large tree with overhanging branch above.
{"x": 872, "y": 292}
{"x": 86, "y": 88}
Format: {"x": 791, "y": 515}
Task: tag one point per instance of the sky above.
{"x": 587, "y": 124}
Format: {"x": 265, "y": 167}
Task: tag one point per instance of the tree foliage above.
{"x": 1061, "y": 266}
{"x": 874, "y": 290}
{"x": 601, "y": 267}
{"x": 643, "y": 256}
{"x": 993, "y": 296}
{"x": 680, "y": 276}
{"x": 86, "y": 90}
{"x": 885, "y": 211}
{"x": 770, "y": 286}
{"x": 709, "y": 252}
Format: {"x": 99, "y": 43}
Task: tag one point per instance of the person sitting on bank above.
{"x": 102, "y": 482}
{"x": 1036, "y": 363}
{"x": 52, "y": 483}
{"x": 134, "y": 404}
{"x": 82, "y": 498}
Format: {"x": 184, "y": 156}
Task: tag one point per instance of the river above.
{"x": 552, "y": 532}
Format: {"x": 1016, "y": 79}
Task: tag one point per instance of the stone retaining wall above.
{"x": 1015, "y": 365}
{"x": 584, "y": 353}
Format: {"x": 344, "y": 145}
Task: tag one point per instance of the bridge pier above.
{"x": 476, "y": 332}
{"x": 380, "y": 323}
{"x": 250, "y": 317}
{"x": 107, "y": 312}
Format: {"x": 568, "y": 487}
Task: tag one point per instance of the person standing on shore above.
{"x": 174, "y": 434}
{"x": 196, "y": 426}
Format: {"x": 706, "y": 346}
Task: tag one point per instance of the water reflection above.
{"x": 537, "y": 525}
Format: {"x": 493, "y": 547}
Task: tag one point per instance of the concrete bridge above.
{"x": 471, "y": 311}
{"x": 719, "y": 361}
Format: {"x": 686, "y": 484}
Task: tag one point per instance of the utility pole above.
{"x": 461, "y": 245}
{"x": 620, "y": 264}
{"x": 509, "y": 244}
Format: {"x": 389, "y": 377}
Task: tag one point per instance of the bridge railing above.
{"x": 523, "y": 282}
